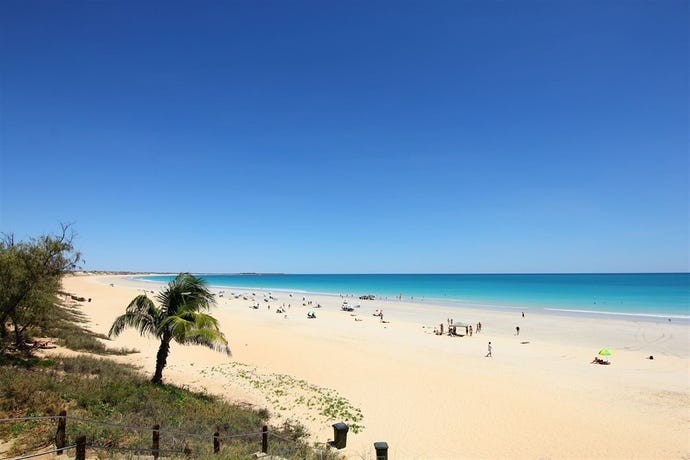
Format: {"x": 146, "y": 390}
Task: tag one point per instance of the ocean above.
{"x": 650, "y": 295}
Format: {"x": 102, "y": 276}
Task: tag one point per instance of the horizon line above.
{"x": 154, "y": 272}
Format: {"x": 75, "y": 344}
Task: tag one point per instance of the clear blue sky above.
{"x": 356, "y": 136}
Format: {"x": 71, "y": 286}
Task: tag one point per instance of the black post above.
{"x": 156, "y": 441}
{"x": 381, "y": 450}
{"x": 81, "y": 448}
{"x": 340, "y": 430}
{"x": 264, "y": 439}
{"x": 61, "y": 430}
{"x": 216, "y": 442}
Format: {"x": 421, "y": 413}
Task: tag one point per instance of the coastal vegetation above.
{"x": 107, "y": 400}
{"x": 179, "y": 317}
{"x": 112, "y": 404}
{"x": 285, "y": 395}
{"x": 30, "y": 274}
{"x": 113, "y": 397}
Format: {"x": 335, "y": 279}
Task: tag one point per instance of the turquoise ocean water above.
{"x": 657, "y": 295}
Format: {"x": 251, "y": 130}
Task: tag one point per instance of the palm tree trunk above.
{"x": 161, "y": 359}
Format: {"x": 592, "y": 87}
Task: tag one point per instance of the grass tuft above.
{"x": 285, "y": 394}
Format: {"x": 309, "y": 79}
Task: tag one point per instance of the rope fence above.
{"x": 29, "y": 419}
{"x": 213, "y": 441}
{"x": 41, "y": 453}
{"x": 133, "y": 449}
{"x": 132, "y": 428}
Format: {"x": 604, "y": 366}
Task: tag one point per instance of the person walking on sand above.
{"x": 517, "y": 330}
{"x": 489, "y": 355}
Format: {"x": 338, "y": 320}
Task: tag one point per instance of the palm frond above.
{"x": 118, "y": 326}
{"x": 144, "y": 323}
{"x": 201, "y": 320}
{"x": 209, "y": 338}
{"x": 142, "y": 305}
{"x": 177, "y": 326}
{"x": 185, "y": 292}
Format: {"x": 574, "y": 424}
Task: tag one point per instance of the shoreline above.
{"x": 460, "y": 304}
{"x": 538, "y": 396}
{"x": 427, "y": 314}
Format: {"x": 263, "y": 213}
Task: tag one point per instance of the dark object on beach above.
{"x": 381, "y": 448}
{"x": 367, "y": 297}
{"x": 651, "y": 357}
{"x": 340, "y": 430}
{"x": 598, "y": 360}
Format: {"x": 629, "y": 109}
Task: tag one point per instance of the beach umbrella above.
{"x": 605, "y": 352}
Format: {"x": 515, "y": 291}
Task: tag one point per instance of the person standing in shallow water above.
{"x": 489, "y": 355}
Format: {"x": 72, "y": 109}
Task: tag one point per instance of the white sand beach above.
{"x": 436, "y": 397}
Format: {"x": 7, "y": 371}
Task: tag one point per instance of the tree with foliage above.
{"x": 179, "y": 317}
{"x": 30, "y": 277}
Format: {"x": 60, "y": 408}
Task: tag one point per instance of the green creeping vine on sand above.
{"x": 285, "y": 394}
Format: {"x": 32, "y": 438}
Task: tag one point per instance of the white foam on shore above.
{"x": 616, "y": 313}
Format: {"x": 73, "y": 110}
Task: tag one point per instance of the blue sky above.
{"x": 339, "y": 137}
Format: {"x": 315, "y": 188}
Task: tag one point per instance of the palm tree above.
{"x": 178, "y": 318}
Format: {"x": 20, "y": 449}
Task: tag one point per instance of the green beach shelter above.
{"x": 605, "y": 352}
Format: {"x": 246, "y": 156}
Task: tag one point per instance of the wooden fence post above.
{"x": 81, "y": 448}
{"x": 155, "y": 441}
{"x": 61, "y": 432}
{"x": 216, "y": 442}
{"x": 264, "y": 439}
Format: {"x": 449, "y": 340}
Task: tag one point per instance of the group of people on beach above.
{"x": 453, "y": 329}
